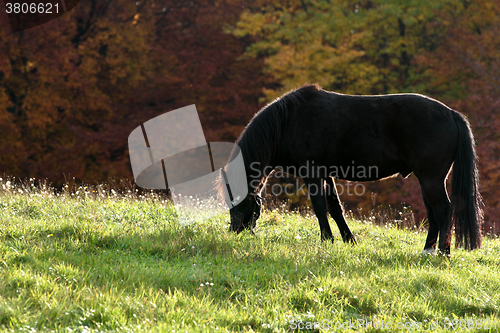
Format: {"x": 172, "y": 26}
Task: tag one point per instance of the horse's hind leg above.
{"x": 432, "y": 235}
{"x": 317, "y": 196}
{"x": 435, "y": 194}
{"x": 335, "y": 209}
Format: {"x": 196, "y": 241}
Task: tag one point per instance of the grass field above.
{"x": 95, "y": 261}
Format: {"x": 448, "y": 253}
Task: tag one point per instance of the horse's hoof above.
{"x": 429, "y": 251}
{"x": 351, "y": 240}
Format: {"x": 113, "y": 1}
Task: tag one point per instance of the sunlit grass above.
{"x": 94, "y": 260}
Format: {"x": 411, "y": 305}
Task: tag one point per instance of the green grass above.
{"x": 94, "y": 261}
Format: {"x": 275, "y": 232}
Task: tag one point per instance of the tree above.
{"x": 466, "y": 69}
{"x": 363, "y": 47}
{"x": 73, "y": 89}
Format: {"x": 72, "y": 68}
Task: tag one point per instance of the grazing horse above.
{"x": 327, "y": 135}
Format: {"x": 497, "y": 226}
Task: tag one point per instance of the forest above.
{"x": 72, "y": 89}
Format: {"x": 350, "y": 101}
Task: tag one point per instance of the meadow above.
{"x": 94, "y": 260}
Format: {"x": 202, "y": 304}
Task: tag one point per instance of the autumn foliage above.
{"x": 72, "y": 90}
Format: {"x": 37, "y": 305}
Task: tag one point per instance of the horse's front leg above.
{"x": 336, "y": 211}
{"x": 315, "y": 187}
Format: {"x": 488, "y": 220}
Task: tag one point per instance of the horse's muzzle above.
{"x": 236, "y": 229}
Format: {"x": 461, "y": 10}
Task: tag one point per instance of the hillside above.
{"x": 98, "y": 261}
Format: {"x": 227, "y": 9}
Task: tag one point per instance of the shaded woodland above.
{"x": 73, "y": 89}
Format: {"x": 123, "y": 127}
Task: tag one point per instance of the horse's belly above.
{"x": 370, "y": 170}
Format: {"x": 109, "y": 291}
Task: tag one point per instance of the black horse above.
{"x": 325, "y": 135}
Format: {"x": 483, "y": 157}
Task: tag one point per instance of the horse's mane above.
{"x": 260, "y": 139}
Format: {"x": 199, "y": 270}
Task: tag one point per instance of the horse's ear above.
{"x": 258, "y": 199}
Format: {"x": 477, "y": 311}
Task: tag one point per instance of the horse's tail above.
{"x": 465, "y": 197}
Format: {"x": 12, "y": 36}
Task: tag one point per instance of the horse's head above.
{"x": 245, "y": 214}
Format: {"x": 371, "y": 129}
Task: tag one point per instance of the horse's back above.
{"x": 397, "y": 133}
